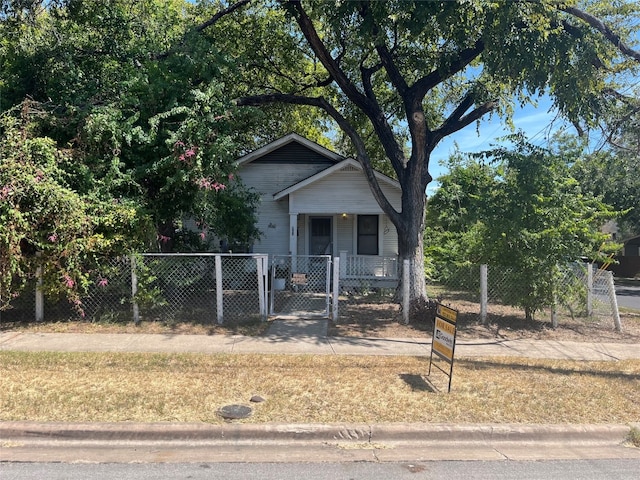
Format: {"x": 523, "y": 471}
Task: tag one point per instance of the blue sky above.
{"x": 538, "y": 122}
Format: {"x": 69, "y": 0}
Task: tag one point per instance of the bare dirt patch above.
{"x": 380, "y": 319}
{"x": 505, "y": 323}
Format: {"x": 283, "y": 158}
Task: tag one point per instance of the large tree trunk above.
{"x": 411, "y": 241}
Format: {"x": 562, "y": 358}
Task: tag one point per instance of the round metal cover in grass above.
{"x": 235, "y": 412}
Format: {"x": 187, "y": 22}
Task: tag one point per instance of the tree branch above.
{"x": 205, "y": 25}
{"x": 220, "y": 14}
{"x": 457, "y": 122}
{"x": 464, "y": 58}
{"x": 385, "y": 55}
{"x": 602, "y": 28}
{"x": 368, "y": 106}
{"x": 309, "y": 31}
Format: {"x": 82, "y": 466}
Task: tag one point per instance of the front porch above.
{"x": 371, "y": 271}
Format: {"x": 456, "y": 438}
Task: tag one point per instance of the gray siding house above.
{"x": 316, "y": 202}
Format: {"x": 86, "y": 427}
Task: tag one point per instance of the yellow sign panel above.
{"x": 443, "y": 338}
{"x": 447, "y": 313}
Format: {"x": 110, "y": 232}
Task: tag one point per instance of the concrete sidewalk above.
{"x": 232, "y": 442}
{"x": 309, "y": 337}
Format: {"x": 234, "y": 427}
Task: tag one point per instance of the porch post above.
{"x": 293, "y": 240}
{"x": 293, "y": 234}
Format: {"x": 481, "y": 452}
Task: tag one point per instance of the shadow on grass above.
{"x": 418, "y": 383}
{"x": 580, "y": 369}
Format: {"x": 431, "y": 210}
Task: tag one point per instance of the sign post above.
{"x": 444, "y": 339}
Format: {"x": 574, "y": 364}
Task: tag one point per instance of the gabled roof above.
{"x": 287, "y": 139}
{"x": 348, "y": 163}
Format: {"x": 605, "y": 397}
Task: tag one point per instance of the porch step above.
{"x": 298, "y": 327}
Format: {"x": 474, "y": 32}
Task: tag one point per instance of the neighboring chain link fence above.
{"x": 581, "y": 290}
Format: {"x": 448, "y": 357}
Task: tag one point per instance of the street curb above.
{"x": 331, "y": 433}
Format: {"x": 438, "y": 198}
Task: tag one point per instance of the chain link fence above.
{"x": 199, "y": 288}
{"x": 21, "y": 306}
{"x": 579, "y": 290}
{"x": 208, "y": 288}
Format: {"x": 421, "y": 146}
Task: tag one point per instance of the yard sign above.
{"x": 444, "y": 339}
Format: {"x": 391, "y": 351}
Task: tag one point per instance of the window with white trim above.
{"x": 367, "y": 234}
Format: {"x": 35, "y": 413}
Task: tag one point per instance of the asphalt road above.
{"x": 628, "y": 295}
{"x": 493, "y": 470}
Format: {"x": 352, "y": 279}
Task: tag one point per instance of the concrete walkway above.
{"x": 296, "y": 336}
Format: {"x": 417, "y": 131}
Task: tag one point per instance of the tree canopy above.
{"x": 399, "y": 76}
{"x": 129, "y": 105}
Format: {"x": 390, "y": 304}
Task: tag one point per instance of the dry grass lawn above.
{"x": 116, "y": 387}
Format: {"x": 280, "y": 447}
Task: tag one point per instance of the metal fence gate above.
{"x": 301, "y": 285}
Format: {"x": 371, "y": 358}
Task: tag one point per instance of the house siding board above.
{"x": 273, "y": 216}
{"x": 344, "y": 192}
{"x": 274, "y": 224}
{"x": 389, "y": 238}
{"x": 345, "y": 234}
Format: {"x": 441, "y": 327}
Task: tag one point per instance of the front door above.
{"x": 321, "y": 236}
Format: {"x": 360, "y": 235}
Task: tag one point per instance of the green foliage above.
{"x": 611, "y": 171}
{"x": 141, "y": 103}
{"x": 44, "y": 223}
{"x": 518, "y": 208}
{"x": 634, "y": 437}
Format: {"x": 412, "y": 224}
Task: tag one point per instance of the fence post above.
{"x": 134, "y": 290}
{"x": 336, "y": 288}
{"x": 406, "y": 289}
{"x": 554, "y": 312}
{"x": 343, "y": 264}
{"x": 260, "y": 270}
{"x": 484, "y": 292}
{"x": 219, "y": 299}
{"x": 614, "y": 302}
{"x": 39, "y": 313}
{"x": 589, "y": 289}
{"x": 39, "y": 294}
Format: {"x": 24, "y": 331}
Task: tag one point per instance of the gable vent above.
{"x": 349, "y": 168}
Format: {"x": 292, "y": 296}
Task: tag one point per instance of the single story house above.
{"x": 317, "y": 202}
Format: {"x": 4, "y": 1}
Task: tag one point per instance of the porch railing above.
{"x": 368, "y": 267}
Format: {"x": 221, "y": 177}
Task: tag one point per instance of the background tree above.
{"x": 135, "y": 134}
{"x": 45, "y": 223}
{"x": 611, "y": 170}
{"x": 404, "y": 75}
{"x": 518, "y": 208}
